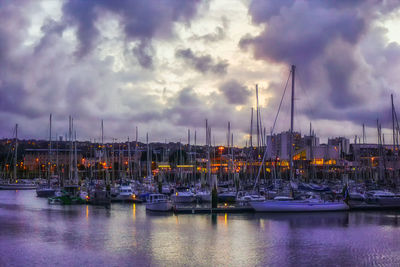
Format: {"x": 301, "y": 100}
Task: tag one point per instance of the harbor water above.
{"x": 34, "y": 233}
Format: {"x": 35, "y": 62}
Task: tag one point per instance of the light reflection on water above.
{"x": 35, "y": 233}
{"x": 134, "y": 211}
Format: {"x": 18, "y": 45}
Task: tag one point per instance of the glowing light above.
{"x": 164, "y": 166}
{"x": 176, "y": 193}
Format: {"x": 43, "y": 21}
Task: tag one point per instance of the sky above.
{"x": 167, "y": 66}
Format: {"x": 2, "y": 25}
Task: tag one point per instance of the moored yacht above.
{"x": 99, "y": 195}
{"x": 227, "y": 196}
{"x": 69, "y": 195}
{"x": 288, "y": 204}
{"x": 18, "y": 185}
{"x": 244, "y": 197}
{"x": 45, "y": 190}
{"x": 158, "y": 202}
{"x": 203, "y": 196}
{"x": 384, "y": 199}
{"x": 183, "y": 195}
{"x": 124, "y": 193}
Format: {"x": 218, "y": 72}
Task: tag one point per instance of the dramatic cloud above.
{"x": 202, "y": 63}
{"x": 218, "y": 34}
{"x": 141, "y": 20}
{"x": 337, "y": 49}
{"x": 166, "y": 66}
{"x": 235, "y": 93}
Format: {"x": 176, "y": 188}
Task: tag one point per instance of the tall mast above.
{"x": 189, "y": 150}
{"x": 70, "y": 149}
{"x": 76, "y": 177}
{"x": 291, "y": 123}
{"x": 16, "y": 152}
{"x": 195, "y": 155}
{"x": 251, "y": 128}
{"x": 394, "y": 134}
{"x": 57, "y": 168}
{"x": 228, "y": 137}
{"x": 49, "y": 164}
{"x": 148, "y": 157}
{"x": 258, "y": 125}
{"x": 129, "y": 160}
{"x": 136, "y": 147}
{"x": 233, "y": 167}
{"x": 208, "y": 141}
{"x": 119, "y": 161}
{"x": 112, "y": 160}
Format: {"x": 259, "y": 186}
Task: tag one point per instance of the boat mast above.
{"x": 76, "y": 176}
{"x": 56, "y": 163}
{"x": 190, "y": 156}
{"x": 291, "y": 124}
{"x": 129, "y": 160}
{"x": 208, "y": 152}
{"x": 49, "y": 164}
{"x": 258, "y": 124}
{"x": 228, "y": 148}
{"x": 137, "y": 161}
{"x": 70, "y": 149}
{"x": 148, "y": 158}
{"x": 195, "y": 156}
{"x": 112, "y": 159}
{"x": 251, "y": 129}
{"x": 104, "y": 150}
{"x": 16, "y": 153}
{"x": 394, "y": 134}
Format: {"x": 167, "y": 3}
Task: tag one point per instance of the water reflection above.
{"x": 134, "y": 211}
{"x": 308, "y": 220}
{"x": 127, "y": 235}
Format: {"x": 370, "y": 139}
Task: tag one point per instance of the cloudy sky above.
{"x": 166, "y": 66}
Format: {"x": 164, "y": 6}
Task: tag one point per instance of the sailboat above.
{"x": 17, "y": 184}
{"x": 71, "y": 191}
{"x": 46, "y": 190}
{"x": 100, "y": 194}
{"x": 288, "y": 204}
{"x": 158, "y": 202}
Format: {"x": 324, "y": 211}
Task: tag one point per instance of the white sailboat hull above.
{"x": 18, "y": 186}
{"x": 159, "y": 206}
{"x": 297, "y": 206}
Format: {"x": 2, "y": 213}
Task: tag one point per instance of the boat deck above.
{"x": 197, "y": 210}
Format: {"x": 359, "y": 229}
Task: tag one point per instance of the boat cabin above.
{"x": 156, "y": 198}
